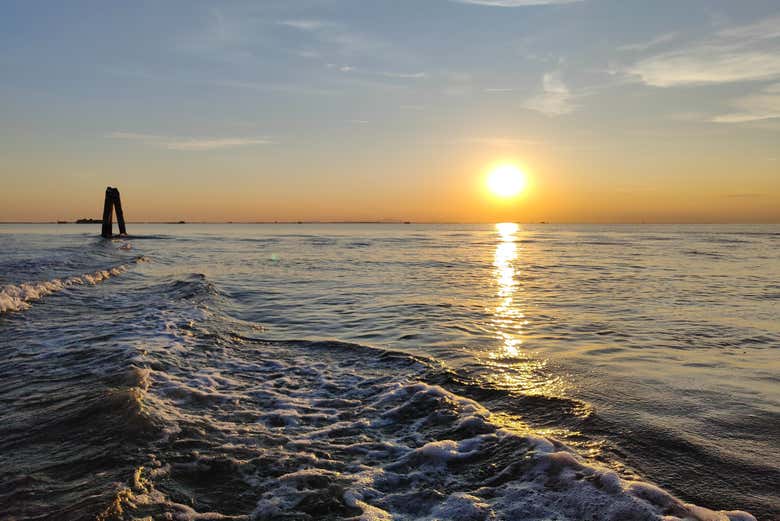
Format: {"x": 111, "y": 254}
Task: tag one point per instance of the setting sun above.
{"x": 506, "y": 181}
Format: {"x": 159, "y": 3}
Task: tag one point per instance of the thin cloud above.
{"x": 644, "y": 46}
{"x": 555, "y": 98}
{"x": 742, "y": 53}
{"x": 705, "y": 65}
{"x": 272, "y": 87}
{"x": 504, "y": 142}
{"x": 766, "y": 29}
{"x": 214, "y": 144}
{"x": 341, "y": 68}
{"x": 335, "y": 38}
{"x": 404, "y": 75}
{"x": 754, "y": 107}
{"x": 688, "y": 116}
{"x": 135, "y": 136}
{"x": 516, "y": 3}
{"x": 309, "y": 54}
{"x": 303, "y": 25}
{"x": 188, "y": 144}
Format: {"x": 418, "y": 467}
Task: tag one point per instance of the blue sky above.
{"x": 390, "y": 109}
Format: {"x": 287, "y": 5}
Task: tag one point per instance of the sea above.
{"x": 390, "y": 371}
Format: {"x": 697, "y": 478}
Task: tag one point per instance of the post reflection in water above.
{"x": 513, "y": 367}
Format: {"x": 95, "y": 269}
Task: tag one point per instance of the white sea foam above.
{"x": 338, "y": 437}
{"x": 300, "y": 430}
{"x": 543, "y": 480}
{"x": 18, "y": 297}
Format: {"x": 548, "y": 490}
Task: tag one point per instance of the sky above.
{"x": 616, "y": 110}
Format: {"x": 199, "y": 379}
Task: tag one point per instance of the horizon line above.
{"x": 407, "y": 222}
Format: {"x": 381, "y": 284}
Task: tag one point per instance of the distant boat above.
{"x": 62, "y": 222}
{"x": 88, "y": 221}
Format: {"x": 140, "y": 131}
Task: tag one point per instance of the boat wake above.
{"x": 186, "y": 414}
{"x": 18, "y": 297}
{"x": 251, "y": 429}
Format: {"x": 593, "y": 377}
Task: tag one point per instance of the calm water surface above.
{"x": 413, "y": 371}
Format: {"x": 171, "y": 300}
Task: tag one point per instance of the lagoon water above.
{"x": 468, "y": 372}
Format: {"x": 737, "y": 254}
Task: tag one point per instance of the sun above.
{"x": 506, "y": 181}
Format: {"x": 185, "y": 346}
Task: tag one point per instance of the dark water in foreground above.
{"x": 390, "y": 372}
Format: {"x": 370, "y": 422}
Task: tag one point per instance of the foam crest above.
{"x": 500, "y": 474}
{"x": 296, "y": 431}
{"x": 19, "y": 297}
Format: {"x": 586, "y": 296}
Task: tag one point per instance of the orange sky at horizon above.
{"x": 447, "y": 194}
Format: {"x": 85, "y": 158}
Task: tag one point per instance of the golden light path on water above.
{"x": 508, "y": 318}
{"x": 515, "y": 368}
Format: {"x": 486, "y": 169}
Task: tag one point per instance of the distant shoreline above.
{"x": 405, "y": 222}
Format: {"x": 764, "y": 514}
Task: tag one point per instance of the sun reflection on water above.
{"x": 508, "y": 319}
{"x": 515, "y": 368}
{"x": 512, "y": 366}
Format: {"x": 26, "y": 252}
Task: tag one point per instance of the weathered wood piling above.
{"x": 120, "y": 216}
{"x": 111, "y": 203}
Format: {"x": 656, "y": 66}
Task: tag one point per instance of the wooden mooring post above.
{"x": 111, "y": 203}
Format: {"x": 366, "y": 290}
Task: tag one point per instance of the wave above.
{"x": 422, "y": 453}
{"x": 203, "y": 420}
{"x": 266, "y": 430}
{"x": 18, "y": 297}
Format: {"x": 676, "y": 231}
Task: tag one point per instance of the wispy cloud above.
{"x": 504, "y": 142}
{"x": 135, "y": 136}
{"x": 754, "y": 107}
{"x": 271, "y": 87}
{"x": 741, "y": 53}
{"x": 333, "y": 38}
{"x": 384, "y": 74}
{"x": 303, "y": 25}
{"x": 555, "y": 98}
{"x": 404, "y": 75}
{"x": 340, "y": 68}
{"x": 516, "y": 3}
{"x": 188, "y": 144}
{"x": 222, "y": 37}
{"x": 691, "y": 116}
{"x": 644, "y": 46}
{"x": 213, "y": 144}
{"x": 512, "y": 143}
{"x": 309, "y": 54}
{"x": 707, "y": 65}
{"x": 765, "y": 29}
